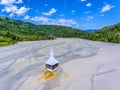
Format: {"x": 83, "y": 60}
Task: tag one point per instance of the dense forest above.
{"x": 107, "y": 34}
{"x": 12, "y": 31}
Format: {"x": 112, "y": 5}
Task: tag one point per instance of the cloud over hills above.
{"x": 61, "y": 21}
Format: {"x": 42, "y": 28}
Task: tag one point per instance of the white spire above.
{"x": 51, "y": 51}
{"x": 51, "y": 60}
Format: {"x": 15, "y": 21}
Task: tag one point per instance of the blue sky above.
{"x": 82, "y": 14}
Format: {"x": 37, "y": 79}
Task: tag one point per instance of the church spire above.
{"x": 52, "y": 60}
{"x": 51, "y": 50}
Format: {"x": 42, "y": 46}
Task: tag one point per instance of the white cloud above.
{"x": 52, "y": 11}
{"x": 41, "y": 19}
{"x": 21, "y": 11}
{"x": 89, "y": 4}
{"x": 7, "y": 2}
{"x": 10, "y": 9}
{"x": 26, "y": 17}
{"x": 10, "y": 2}
{"x": 14, "y": 10}
{"x": 106, "y": 8}
{"x": 66, "y": 22}
{"x": 82, "y": 0}
{"x": 10, "y": 6}
{"x": 73, "y": 11}
{"x": 61, "y": 21}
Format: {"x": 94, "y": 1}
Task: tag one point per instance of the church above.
{"x": 51, "y": 64}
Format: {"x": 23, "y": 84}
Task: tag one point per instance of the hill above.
{"x": 12, "y": 31}
{"x": 107, "y": 34}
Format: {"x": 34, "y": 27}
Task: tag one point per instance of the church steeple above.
{"x": 51, "y": 51}
{"x": 51, "y": 63}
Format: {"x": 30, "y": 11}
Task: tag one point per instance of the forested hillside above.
{"x": 12, "y": 31}
{"x": 107, "y": 34}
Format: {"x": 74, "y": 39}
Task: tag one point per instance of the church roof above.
{"x": 51, "y": 61}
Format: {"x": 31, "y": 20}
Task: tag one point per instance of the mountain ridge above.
{"x": 12, "y": 31}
